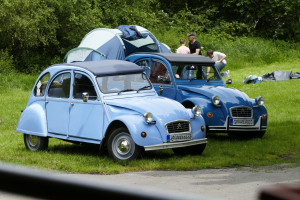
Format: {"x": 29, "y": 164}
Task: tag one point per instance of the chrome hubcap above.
{"x": 123, "y": 146}
{"x": 33, "y": 140}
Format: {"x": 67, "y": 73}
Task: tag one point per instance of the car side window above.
{"x": 159, "y": 73}
{"x": 83, "y": 84}
{"x": 41, "y": 85}
{"x": 60, "y": 86}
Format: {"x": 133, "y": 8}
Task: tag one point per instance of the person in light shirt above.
{"x": 220, "y": 62}
{"x": 183, "y": 49}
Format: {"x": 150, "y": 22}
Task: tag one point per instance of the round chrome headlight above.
{"x": 148, "y": 117}
{"x": 260, "y": 101}
{"x": 216, "y": 100}
{"x": 197, "y": 111}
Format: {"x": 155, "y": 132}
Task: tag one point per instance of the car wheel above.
{"x": 259, "y": 134}
{"x": 121, "y": 146}
{"x": 35, "y": 143}
{"x": 191, "y": 150}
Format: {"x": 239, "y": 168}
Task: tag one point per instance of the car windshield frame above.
{"x": 213, "y": 75}
{"x": 119, "y": 82}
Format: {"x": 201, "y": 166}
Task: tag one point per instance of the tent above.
{"x": 115, "y": 44}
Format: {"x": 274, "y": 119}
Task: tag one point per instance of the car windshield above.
{"x": 123, "y": 83}
{"x": 194, "y": 72}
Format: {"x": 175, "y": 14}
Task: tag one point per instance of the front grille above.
{"x": 241, "y": 112}
{"x": 178, "y": 127}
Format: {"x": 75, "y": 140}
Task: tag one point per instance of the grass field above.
{"x": 281, "y": 143}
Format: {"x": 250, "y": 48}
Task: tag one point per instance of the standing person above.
{"x": 195, "y": 46}
{"x": 220, "y": 62}
{"x": 183, "y": 49}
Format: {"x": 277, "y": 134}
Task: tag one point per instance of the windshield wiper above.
{"x": 126, "y": 90}
{"x": 142, "y": 88}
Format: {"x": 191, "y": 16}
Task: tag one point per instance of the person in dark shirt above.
{"x": 195, "y": 46}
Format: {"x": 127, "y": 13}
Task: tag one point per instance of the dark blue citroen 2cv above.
{"x": 193, "y": 80}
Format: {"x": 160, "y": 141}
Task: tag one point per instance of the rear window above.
{"x": 41, "y": 85}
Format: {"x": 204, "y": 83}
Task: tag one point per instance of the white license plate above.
{"x": 243, "y": 122}
{"x": 179, "y": 137}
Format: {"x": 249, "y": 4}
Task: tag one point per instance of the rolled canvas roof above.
{"x": 112, "y": 44}
{"x": 109, "y": 68}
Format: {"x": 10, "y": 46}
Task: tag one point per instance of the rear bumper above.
{"x": 227, "y": 128}
{"x": 175, "y": 144}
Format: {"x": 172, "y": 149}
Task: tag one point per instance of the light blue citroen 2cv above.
{"x": 110, "y": 103}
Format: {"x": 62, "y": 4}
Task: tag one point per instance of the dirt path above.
{"x": 228, "y": 183}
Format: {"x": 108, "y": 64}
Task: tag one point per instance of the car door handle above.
{"x": 72, "y": 103}
{"x": 161, "y": 89}
{"x": 46, "y": 101}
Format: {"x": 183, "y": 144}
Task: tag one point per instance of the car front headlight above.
{"x": 148, "y": 117}
{"x": 197, "y": 111}
{"x": 216, "y": 101}
{"x": 260, "y": 101}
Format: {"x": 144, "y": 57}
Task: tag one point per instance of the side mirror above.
{"x": 85, "y": 96}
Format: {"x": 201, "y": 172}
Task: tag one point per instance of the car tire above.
{"x": 121, "y": 146}
{"x": 35, "y": 143}
{"x": 259, "y": 134}
{"x": 191, "y": 150}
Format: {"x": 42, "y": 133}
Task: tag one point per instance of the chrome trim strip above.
{"x": 244, "y": 127}
{"x": 256, "y": 127}
{"x": 175, "y": 144}
{"x": 243, "y": 130}
{"x": 238, "y": 129}
{"x": 217, "y": 128}
{"x": 241, "y": 107}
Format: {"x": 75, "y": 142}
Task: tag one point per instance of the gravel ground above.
{"x": 227, "y": 183}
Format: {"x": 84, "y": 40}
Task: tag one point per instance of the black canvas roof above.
{"x": 109, "y": 67}
{"x": 185, "y": 58}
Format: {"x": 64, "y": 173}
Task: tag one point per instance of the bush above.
{"x": 6, "y": 63}
{"x": 38, "y": 33}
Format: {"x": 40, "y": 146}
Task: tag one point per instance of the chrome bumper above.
{"x": 175, "y": 144}
{"x": 227, "y": 127}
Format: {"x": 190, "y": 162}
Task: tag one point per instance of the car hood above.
{"x": 163, "y": 109}
{"x": 226, "y": 94}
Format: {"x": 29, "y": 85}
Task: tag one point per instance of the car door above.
{"x": 159, "y": 76}
{"x": 86, "y": 118}
{"x": 58, "y": 104}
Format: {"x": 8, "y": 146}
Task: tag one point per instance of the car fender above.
{"x": 202, "y": 102}
{"x": 196, "y": 129}
{"x": 33, "y": 120}
{"x": 206, "y": 105}
{"x": 259, "y": 112}
{"x": 136, "y": 125}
